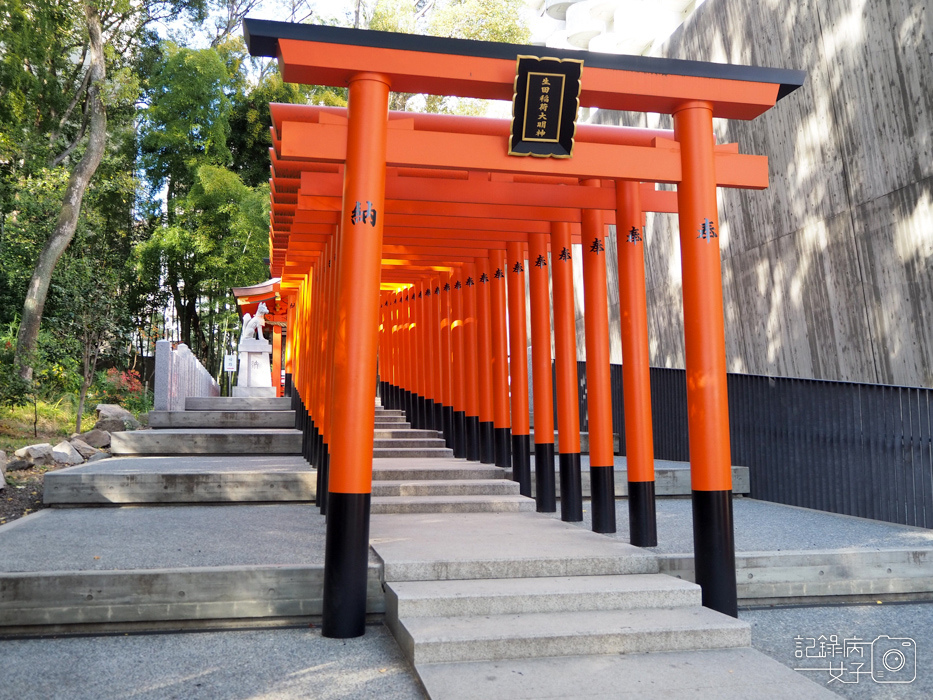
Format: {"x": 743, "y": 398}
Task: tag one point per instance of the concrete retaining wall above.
{"x": 828, "y": 274}
{"x": 178, "y": 375}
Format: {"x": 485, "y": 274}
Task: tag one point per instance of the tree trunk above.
{"x": 67, "y": 221}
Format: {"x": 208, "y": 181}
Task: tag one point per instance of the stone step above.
{"x": 724, "y": 674}
{"x": 77, "y": 566}
{"x": 670, "y": 478}
{"x": 412, "y": 452}
{"x": 206, "y": 441}
{"x": 446, "y": 487}
{"x": 529, "y": 635}
{"x": 409, "y": 442}
{"x": 466, "y": 546}
{"x": 452, "y": 504}
{"x": 386, "y": 469}
{"x": 584, "y": 442}
{"x": 392, "y": 412}
{"x": 392, "y": 421}
{"x": 221, "y": 419}
{"x": 406, "y": 599}
{"x": 405, "y": 434}
{"x": 230, "y": 403}
{"x": 183, "y": 480}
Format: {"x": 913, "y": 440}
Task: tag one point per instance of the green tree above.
{"x": 64, "y": 66}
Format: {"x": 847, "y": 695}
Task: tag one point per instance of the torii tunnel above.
{"x": 402, "y": 241}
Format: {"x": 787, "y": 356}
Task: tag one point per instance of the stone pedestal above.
{"x": 255, "y": 371}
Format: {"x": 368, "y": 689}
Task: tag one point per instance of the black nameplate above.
{"x": 544, "y": 107}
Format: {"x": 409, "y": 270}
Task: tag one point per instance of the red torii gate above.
{"x": 336, "y": 376}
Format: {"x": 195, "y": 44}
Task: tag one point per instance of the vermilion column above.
{"x": 444, "y": 318}
{"x": 417, "y": 357}
{"x": 430, "y": 354}
{"x": 470, "y": 364}
{"x": 545, "y": 495}
{"x": 277, "y": 360}
{"x": 350, "y": 479}
{"x": 636, "y": 375}
{"x": 565, "y": 342}
{"x": 457, "y": 372}
{"x": 704, "y": 341}
{"x": 598, "y": 382}
{"x": 290, "y": 333}
{"x": 487, "y": 449}
{"x": 500, "y": 359}
{"x": 434, "y": 326}
{"x": 518, "y": 364}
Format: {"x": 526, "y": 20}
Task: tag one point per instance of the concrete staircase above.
{"x": 395, "y": 438}
{"x": 444, "y": 486}
{"x": 479, "y": 611}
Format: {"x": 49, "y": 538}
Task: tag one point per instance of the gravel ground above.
{"x": 230, "y": 665}
{"x": 761, "y": 526}
{"x": 22, "y": 494}
{"x": 774, "y": 630}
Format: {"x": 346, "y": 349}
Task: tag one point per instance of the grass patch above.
{"x": 56, "y": 421}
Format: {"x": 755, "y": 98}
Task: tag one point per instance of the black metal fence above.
{"x": 858, "y": 449}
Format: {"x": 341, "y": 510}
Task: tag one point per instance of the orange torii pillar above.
{"x": 518, "y": 364}
{"x": 289, "y": 342}
{"x": 424, "y": 362}
{"x": 408, "y": 357}
{"x": 565, "y": 343}
{"x": 545, "y": 496}
{"x": 417, "y": 359}
{"x": 456, "y": 366}
{"x": 385, "y": 352}
{"x": 430, "y": 358}
{"x": 470, "y": 363}
{"x": 325, "y": 377}
{"x": 487, "y": 444}
{"x": 346, "y": 555}
{"x": 277, "y": 359}
{"x": 444, "y": 319}
{"x": 434, "y": 326}
{"x": 704, "y": 341}
{"x": 636, "y": 375}
{"x": 500, "y": 360}
{"x": 598, "y": 382}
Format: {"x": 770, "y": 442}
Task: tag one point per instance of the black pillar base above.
{"x": 603, "y": 498}
{"x": 288, "y": 384}
{"x": 460, "y": 438}
{"x": 323, "y": 469}
{"x": 438, "y": 416}
{"x": 422, "y": 410}
{"x": 449, "y": 427}
{"x": 642, "y": 519}
{"x": 545, "y": 488}
{"x": 503, "y": 439}
{"x": 571, "y": 488}
{"x": 472, "y": 447}
{"x": 416, "y": 406}
{"x": 429, "y": 414}
{"x": 521, "y": 463}
{"x": 487, "y": 443}
{"x": 714, "y": 550}
{"x": 346, "y": 564}
{"x": 409, "y": 410}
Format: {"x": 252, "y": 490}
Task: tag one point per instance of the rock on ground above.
{"x": 98, "y": 456}
{"x": 36, "y": 454}
{"x": 114, "y": 419}
{"x": 16, "y": 464}
{"x": 96, "y": 438}
{"x": 82, "y": 447}
{"x": 65, "y": 453}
